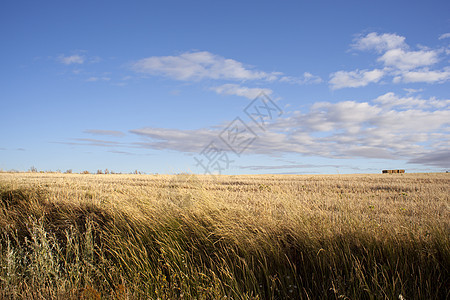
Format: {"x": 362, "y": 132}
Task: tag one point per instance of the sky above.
{"x": 225, "y": 87}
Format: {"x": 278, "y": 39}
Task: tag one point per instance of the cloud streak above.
{"x": 307, "y": 78}
{"x": 197, "y": 66}
{"x": 235, "y": 89}
{"x": 424, "y": 75}
{"x": 389, "y": 127}
{"x": 94, "y": 79}
{"x": 202, "y": 65}
{"x": 105, "y": 132}
{"x": 72, "y": 59}
{"x": 444, "y": 36}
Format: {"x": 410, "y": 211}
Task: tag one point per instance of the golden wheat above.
{"x": 245, "y": 237}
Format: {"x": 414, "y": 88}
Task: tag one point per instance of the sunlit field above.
{"x": 73, "y": 236}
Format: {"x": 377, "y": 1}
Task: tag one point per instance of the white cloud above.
{"x": 345, "y": 115}
{"x": 307, "y": 78}
{"x": 73, "y": 59}
{"x": 402, "y": 64}
{"x": 379, "y": 42}
{"x": 310, "y": 78}
{"x": 390, "y": 100}
{"x": 412, "y": 91}
{"x": 406, "y": 60}
{"x": 94, "y": 79}
{"x": 413, "y": 121}
{"x": 347, "y": 112}
{"x": 444, "y": 36}
{"x": 424, "y": 76}
{"x": 235, "y": 89}
{"x": 358, "y": 78}
{"x": 199, "y": 65}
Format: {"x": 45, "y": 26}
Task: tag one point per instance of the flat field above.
{"x": 73, "y": 236}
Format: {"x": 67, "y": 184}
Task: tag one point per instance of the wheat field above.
{"x": 74, "y": 236}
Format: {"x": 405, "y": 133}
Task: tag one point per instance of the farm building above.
{"x": 393, "y": 171}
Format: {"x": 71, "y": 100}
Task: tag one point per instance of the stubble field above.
{"x": 73, "y": 236}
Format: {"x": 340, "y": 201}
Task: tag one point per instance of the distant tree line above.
{"x": 33, "y": 169}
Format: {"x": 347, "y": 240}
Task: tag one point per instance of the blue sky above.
{"x": 230, "y": 87}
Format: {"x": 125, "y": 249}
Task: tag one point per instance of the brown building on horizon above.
{"x": 393, "y": 171}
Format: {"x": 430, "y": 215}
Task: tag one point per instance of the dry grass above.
{"x": 78, "y": 236}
